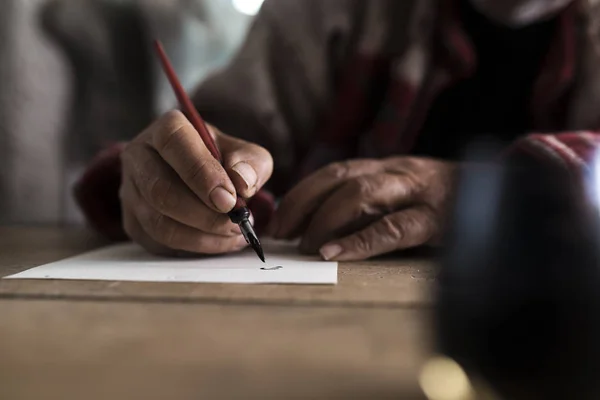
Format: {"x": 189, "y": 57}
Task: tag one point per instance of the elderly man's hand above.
{"x": 175, "y": 194}
{"x": 362, "y": 208}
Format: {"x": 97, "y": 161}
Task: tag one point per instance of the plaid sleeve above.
{"x": 97, "y": 194}
{"x": 571, "y": 151}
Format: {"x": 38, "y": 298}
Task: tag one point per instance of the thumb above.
{"x": 248, "y": 165}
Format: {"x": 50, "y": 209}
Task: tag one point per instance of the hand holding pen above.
{"x": 175, "y": 195}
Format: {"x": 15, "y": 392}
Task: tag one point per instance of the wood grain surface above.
{"x": 387, "y": 282}
{"x": 364, "y": 338}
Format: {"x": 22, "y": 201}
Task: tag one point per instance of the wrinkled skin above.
{"x": 174, "y": 193}
{"x": 363, "y": 208}
{"x": 517, "y": 13}
{"x": 175, "y": 196}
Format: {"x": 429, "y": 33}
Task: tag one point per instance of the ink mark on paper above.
{"x": 272, "y": 268}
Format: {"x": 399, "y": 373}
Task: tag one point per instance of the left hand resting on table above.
{"x": 358, "y": 209}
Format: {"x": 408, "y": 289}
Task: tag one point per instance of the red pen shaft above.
{"x": 187, "y": 107}
{"x": 240, "y": 213}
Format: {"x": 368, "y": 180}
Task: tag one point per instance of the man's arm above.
{"x": 363, "y": 208}
{"x": 273, "y": 93}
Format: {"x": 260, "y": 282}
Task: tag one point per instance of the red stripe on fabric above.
{"x": 457, "y": 52}
{"x": 97, "y": 193}
{"x": 539, "y": 146}
{"x": 527, "y": 149}
{"x": 436, "y": 83}
{"x": 346, "y": 121}
{"x": 349, "y": 111}
{"x": 393, "y": 118}
{"x": 454, "y": 60}
{"x": 584, "y": 144}
{"x": 557, "y": 72}
{"x": 562, "y": 152}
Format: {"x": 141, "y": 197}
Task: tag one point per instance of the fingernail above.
{"x": 330, "y": 251}
{"x": 247, "y": 173}
{"x": 222, "y": 199}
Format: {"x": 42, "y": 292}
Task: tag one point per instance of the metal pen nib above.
{"x": 252, "y": 239}
{"x": 241, "y": 216}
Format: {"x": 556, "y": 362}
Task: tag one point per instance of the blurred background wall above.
{"x": 78, "y": 75}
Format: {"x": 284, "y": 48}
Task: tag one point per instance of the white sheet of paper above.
{"x": 129, "y": 262}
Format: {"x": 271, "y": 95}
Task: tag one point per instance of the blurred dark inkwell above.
{"x": 518, "y": 299}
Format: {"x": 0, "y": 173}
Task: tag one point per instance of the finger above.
{"x": 298, "y": 206}
{"x": 248, "y": 165}
{"x": 163, "y": 189}
{"x": 402, "y": 230}
{"x": 158, "y": 230}
{"x": 134, "y": 230}
{"x": 356, "y": 204}
{"x": 180, "y": 145}
{"x": 136, "y": 233}
{"x": 175, "y": 235}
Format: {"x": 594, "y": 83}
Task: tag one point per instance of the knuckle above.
{"x": 337, "y": 170}
{"x": 199, "y": 170}
{"x": 363, "y": 186}
{"x": 169, "y": 130}
{"x": 173, "y": 119}
{"x": 363, "y": 243}
{"x": 164, "y": 140}
{"x": 364, "y": 190}
{"x": 406, "y": 186}
{"x": 400, "y": 163}
{"x": 367, "y": 210}
{"x": 392, "y": 229}
{"x": 156, "y": 225}
{"x": 416, "y": 184}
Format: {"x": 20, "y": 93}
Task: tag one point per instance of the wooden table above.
{"x": 364, "y": 338}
